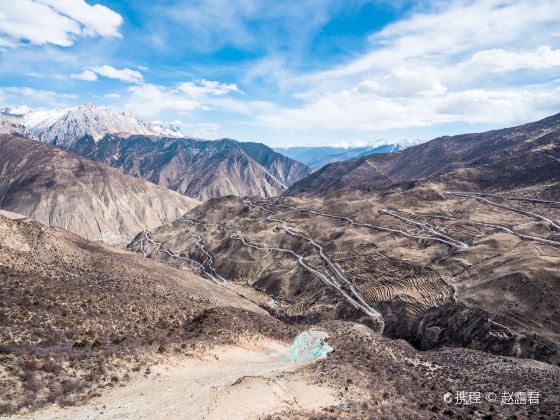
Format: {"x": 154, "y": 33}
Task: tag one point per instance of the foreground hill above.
{"x": 78, "y": 317}
{"x": 88, "y": 331}
{"x": 89, "y": 198}
{"x": 522, "y": 156}
{"x": 197, "y": 168}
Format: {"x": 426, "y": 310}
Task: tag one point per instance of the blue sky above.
{"x": 290, "y": 72}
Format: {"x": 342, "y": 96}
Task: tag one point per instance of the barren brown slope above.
{"x": 89, "y": 198}
{"x": 77, "y": 317}
{"x": 80, "y": 320}
{"x": 198, "y": 168}
{"x": 442, "y": 269}
{"x": 512, "y": 157}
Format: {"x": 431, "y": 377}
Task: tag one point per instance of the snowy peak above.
{"x": 165, "y": 130}
{"x": 65, "y": 126}
{"x": 16, "y": 111}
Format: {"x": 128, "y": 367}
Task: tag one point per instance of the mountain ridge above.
{"x": 64, "y": 126}
{"x": 319, "y": 156}
{"x": 58, "y": 188}
{"x": 503, "y": 158}
{"x": 198, "y": 168}
{"x": 157, "y": 152}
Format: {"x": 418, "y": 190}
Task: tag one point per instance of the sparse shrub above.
{"x": 29, "y": 365}
{"x": 51, "y": 367}
{"x": 6, "y": 349}
{"x": 96, "y": 343}
{"x": 70, "y": 386}
{"x": 80, "y": 344}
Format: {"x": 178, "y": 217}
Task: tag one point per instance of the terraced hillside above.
{"x": 440, "y": 267}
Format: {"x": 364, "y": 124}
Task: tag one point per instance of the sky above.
{"x": 290, "y": 72}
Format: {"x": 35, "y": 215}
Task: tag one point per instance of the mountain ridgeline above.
{"x": 317, "y": 157}
{"x": 158, "y": 152}
{"x": 91, "y": 199}
{"x": 197, "y": 168}
{"x": 64, "y": 126}
{"x": 523, "y": 156}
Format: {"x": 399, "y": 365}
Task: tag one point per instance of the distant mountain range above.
{"x": 64, "y": 126}
{"x": 317, "y": 157}
{"x": 527, "y": 155}
{"x": 91, "y": 199}
{"x": 158, "y": 152}
{"x": 201, "y": 169}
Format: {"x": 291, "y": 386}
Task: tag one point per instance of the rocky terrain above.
{"x": 198, "y": 168}
{"x": 417, "y": 258}
{"x": 77, "y": 317}
{"x": 89, "y": 198}
{"x": 523, "y": 156}
{"x": 11, "y": 125}
{"x": 427, "y": 285}
{"x": 158, "y": 152}
{"x": 103, "y": 332}
{"x": 442, "y": 269}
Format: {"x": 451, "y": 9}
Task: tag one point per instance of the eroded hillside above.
{"x": 442, "y": 268}
{"x": 89, "y": 198}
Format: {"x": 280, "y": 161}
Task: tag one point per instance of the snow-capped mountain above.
{"x": 319, "y": 156}
{"x": 65, "y": 126}
{"x": 12, "y": 125}
{"x": 166, "y": 130}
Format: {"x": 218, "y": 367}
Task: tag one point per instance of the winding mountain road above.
{"x": 452, "y": 242}
{"x": 354, "y": 297}
{"x": 447, "y": 239}
{"x": 337, "y": 271}
{"x": 500, "y": 227}
{"x": 480, "y": 197}
{"x": 159, "y": 248}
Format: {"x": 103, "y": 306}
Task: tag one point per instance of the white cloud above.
{"x": 96, "y": 19}
{"x": 86, "y": 75}
{"x": 401, "y": 81}
{"x": 207, "y": 87}
{"x": 500, "y": 60}
{"x": 427, "y": 69}
{"x": 57, "y": 22}
{"x": 126, "y": 75}
{"x": 112, "y": 96}
{"x": 354, "y": 110}
{"x": 201, "y": 130}
{"x": 150, "y": 100}
{"x": 27, "y": 95}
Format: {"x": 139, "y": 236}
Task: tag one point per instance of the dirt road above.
{"x": 242, "y": 382}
